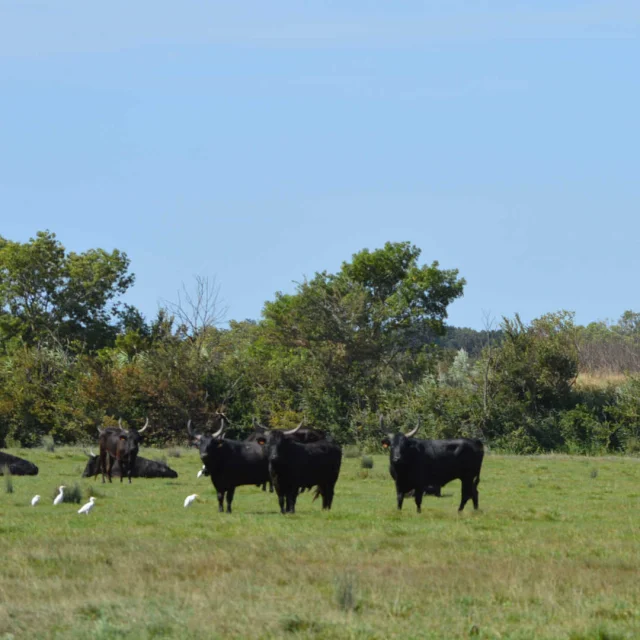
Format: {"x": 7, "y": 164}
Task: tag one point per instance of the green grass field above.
{"x": 554, "y": 552}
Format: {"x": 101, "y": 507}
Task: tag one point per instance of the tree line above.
{"x": 339, "y": 352}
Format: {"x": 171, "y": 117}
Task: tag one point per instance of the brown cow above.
{"x": 118, "y": 444}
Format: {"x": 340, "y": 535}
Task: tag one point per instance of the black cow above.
{"x": 295, "y": 465}
{"x": 418, "y": 465}
{"x": 299, "y": 434}
{"x": 119, "y": 445}
{"x": 17, "y": 466}
{"x": 230, "y": 463}
{"x": 143, "y": 468}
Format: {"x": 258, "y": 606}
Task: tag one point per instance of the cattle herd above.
{"x": 290, "y": 462}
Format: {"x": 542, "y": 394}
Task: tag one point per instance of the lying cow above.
{"x": 143, "y": 468}
{"x": 17, "y": 466}
{"x": 421, "y": 465}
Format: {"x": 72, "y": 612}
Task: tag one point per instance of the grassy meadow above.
{"x": 554, "y": 552}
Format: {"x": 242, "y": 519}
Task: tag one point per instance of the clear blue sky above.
{"x": 259, "y": 142}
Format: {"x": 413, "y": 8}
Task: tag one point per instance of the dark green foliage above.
{"x": 366, "y": 462}
{"x": 48, "y": 296}
{"x": 72, "y": 494}
{"x": 342, "y": 350}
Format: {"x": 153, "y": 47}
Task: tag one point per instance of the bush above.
{"x": 582, "y": 432}
{"x": 8, "y": 481}
{"x": 351, "y": 451}
{"x": 366, "y": 462}
{"x": 71, "y": 494}
{"x": 346, "y": 597}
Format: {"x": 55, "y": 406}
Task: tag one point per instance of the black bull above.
{"x": 299, "y": 435}
{"x": 230, "y": 463}
{"x": 143, "y": 468}
{"x": 17, "y": 466}
{"x": 119, "y": 445}
{"x": 233, "y": 463}
{"x": 417, "y": 465}
{"x": 296, "y": 465}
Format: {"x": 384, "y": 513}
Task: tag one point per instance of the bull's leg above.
{"x": 475, "y": 496}
{"x": 230, "y": 493}
{"x": 109, "y": 466}
{"x": 281, "y": 502}
{"x": 291, "y": 501}
{"x": 101, "y": 463}
{"x": 418, "y": 496}
{"x": 467, "y": 492}
{"x": 221, "y": 501}
{"x": 327, "y": 496}
{"x": 400, "y": 496}
{"x": 270, "y": 486}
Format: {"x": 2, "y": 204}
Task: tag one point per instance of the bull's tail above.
{"x": 317, "y": 493}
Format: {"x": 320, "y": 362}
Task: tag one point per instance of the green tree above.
{"x": 363, "y": 329}
{"x": 49, "y": 296}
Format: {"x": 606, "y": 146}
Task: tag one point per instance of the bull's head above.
{"x": 208, "y": 445}
{"x": 274, "y": 440}
{"x": 399, "y": 444}
{"x": 132, "y": 439}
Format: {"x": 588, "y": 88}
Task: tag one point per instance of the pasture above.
{"x": 554, "y": 552}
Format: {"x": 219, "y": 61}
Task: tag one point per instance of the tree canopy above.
{"x": 50, "y": 296}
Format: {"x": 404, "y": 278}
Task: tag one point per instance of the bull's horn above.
{"x": 292, "y": 431}
{"x": 218, "y": 433}
{"x": 258, "y": 426}
{"x": 91, "y": 452}
{"x": 146, "y": 424}
{"x": 189, "y": 428}
{"x": 120, "y": 422}
{"x": 413, "y": 431}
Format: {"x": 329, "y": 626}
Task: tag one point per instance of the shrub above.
{"x": 351, "y": 451}
{"x": 366, "y": 462}
{"x": 346, "y": 597}
{"x": 8, "y": 481}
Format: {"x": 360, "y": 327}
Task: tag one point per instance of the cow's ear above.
{"x": 261, "y": 441}
{"x": 123, "y": 437}
{"x": 386, "y": 443}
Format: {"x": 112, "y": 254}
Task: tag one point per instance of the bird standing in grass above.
{"x": 86, "y": 508}
{"x": 35, "y": 500}
{"x": 58, "y": 498}
{"x": 189, "y": 499}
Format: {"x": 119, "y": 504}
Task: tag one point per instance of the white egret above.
{"x": 35, "y": 500}
{"x": 189, "y": 499}
{"x": 86, "y": 508}
{"x": 58, "y": 498}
